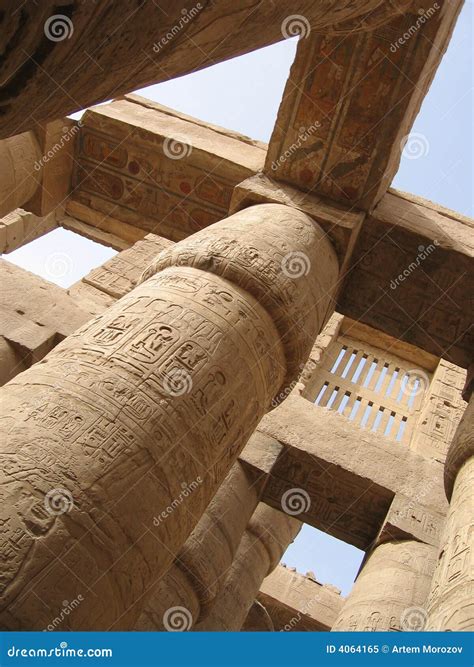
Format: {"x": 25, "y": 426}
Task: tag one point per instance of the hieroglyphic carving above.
{"x": 441, "y": 412}
{"x": 18, "y": 178}
{"x": 171, "y": 379}
{"x": 451, "y": 601}
{"x": 125, "y": 168}
{"x": 394, "y": 580}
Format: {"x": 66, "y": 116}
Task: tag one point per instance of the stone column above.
{"x": 263, "y": 544}
{"x": 198, "y": 574}
{"x": 451, "y": 601}
{"x": 391, "y": 589}
{"x": 19, "y": 179}
{"x": 145, "y": 408}
{"x": 258, "y": 619}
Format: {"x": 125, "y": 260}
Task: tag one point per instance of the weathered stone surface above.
{"x": 391, "y": 589}
{"x": 345, "y": 478}
{"x": 461, "y": 448}
{"x": 258, "y": 619}
{"x": 198, "y": 573}
{"x": 18, "y": 178}
{"x": 54, "y": 167}
{"x": 412, "y": 272}
{"x": 267, "y": 537}
{"x": 450, "y": 603}
{"x": 350, "y": 101}
{"x": 299, "y": 603}
{"x": 35, "y": 315}
{"x": 161, "y": 171}
{"x": 12, "y": 361}
{"x": 341, "y": 223}
{"x": 20, "y": 227}
{"x": 153, "y": 45}
{"x": 410, "y": 518}
{"x": 110, "y": 419}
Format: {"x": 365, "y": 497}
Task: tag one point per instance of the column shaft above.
{"x": 451, "y": 601}
{"x": 143, "y": 411}
{"x": 264, "y": 542}
{"x": 391, "y": 589}
{"x": 198, "y": 574}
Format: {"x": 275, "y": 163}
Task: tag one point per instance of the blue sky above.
{"x": 244, "y": 94}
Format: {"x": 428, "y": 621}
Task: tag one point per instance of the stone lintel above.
{"x": 20, "y": 227}
{"x": 340, "y": 223}
{"x": 412, "y": 269}
{"x": 347, "y": 477}
{"x": 157, "y": 170}
{"x": 350, "y": 102}
{"x": 408, "y": 519}
{"x": 297, "y": 602}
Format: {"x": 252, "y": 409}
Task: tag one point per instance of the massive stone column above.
{"x": 198, "y": 574}
{"x": 451, "y": 601}
{"x": 143, "y": 411}
{"x": 391, "y": 589}
{"x": 263, "y": 544}
{"x": 143, "y": 44}
{"x": 19, "y": 179}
